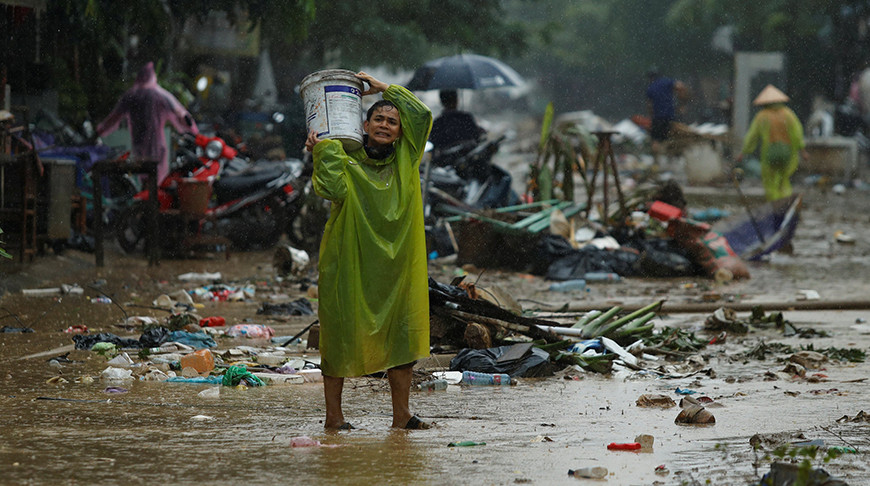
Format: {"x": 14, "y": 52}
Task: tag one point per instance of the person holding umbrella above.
{"x": 373, "y": 284}
{"x": 781, "y": 138}
{"x": 453, "y": 126}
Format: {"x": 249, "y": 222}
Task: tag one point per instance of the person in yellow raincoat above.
{"x": 373, "y": 283}
{"x": 781, "y": 137}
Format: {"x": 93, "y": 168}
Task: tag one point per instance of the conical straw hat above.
{"x": 770, "y": 95}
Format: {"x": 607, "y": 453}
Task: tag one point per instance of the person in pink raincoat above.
{"x": 147, "y": 107}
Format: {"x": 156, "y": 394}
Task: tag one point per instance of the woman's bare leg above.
{"x": 332, "y": 387}
{"x": 400, "y": 392}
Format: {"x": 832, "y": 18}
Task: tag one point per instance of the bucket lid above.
{"x": 326, "y": 74}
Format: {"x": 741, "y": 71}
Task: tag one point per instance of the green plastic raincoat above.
{"x": 782, "y": 139}
{"x": 373, "y": 285}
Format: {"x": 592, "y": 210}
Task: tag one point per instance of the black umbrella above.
{"x": 464, "y": 71}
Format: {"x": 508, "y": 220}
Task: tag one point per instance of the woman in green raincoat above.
{"x": 373, "y": 284}
{"x": 781, "y": 135}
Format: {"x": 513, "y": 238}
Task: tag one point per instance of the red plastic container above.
{"x": 664, "y": 211}
{"x": 629, "y": 446}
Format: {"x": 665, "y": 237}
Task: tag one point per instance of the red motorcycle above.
{"x": 212, "y": 192}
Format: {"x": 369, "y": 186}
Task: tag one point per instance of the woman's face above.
{"x": 384, "y": 127}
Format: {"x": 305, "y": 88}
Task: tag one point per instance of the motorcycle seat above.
{"x": 229, "y": 188}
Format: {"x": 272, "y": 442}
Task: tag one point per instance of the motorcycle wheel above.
{"x": 305, "y": 228}
{"x": 255, "y": 227}
{"x": 130, "y": 227}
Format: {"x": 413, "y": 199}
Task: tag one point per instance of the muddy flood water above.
{"x": 60, "y": 427}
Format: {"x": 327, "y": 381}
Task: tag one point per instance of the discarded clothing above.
{"x": 198, "y": 340}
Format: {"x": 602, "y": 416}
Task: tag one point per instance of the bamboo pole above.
{"x": 688, "y": 308}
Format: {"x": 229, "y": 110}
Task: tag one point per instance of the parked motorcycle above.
{"x": 464, "y": 176}
{"x": 249, "y": 204}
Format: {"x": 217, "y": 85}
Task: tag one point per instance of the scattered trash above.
{"x": 200, "y": 277}
{"x": 211, "y": 380}
{"x": 123, "y": 360}
{"x": 213, "y": 321}
{"x": 290, "y": 261}
{"x": 117, "y": 374}
{"x": 843, "y": 450}
{"x": 568, "y": 285}
{"x": 41, "y": 292}
{"x": 602, "y": 277}
{"x": 661, "y": 401}
{"x": 626, "y": 446}
{"x": 238, "y": 375}
{"x": 466, "y": 443}
{"x": 844, "y": 238}
{"x": 695, "y": 414}
{"x": 485, "y": 379}
{"x": 281, "y": 379}
{"x": 724, "y": 319}
{"x": 646, "y": 442}
{"x": 101, "y": 300}
{"x": 202, "y": 361}
{"x": 433, "y": 385}
{"x": 592, "y": 472}
{"x": 684, "y": 391}
{"x": 662, "y": 470}
{"x": 859, "y": 417}
{"x": 808, "y": 295}
{"x": 13, "y": 330}
{"x": 202, "y": 418}
{"x": 304, "y": 441}
{"x": 76, "y": 329}
{"x": 212, "y": 392}
{"x": 115, "y": 389}
{"x": 299, "y": 307}
{"x": 251, "y": 331}
{"x": 784, "y": 474}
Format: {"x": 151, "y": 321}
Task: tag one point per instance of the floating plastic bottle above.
{"x": 568, "y": 285}
{"x": 605, "y": 277}
{"x": 594, "y": 472}
{"x": 433, "y": 385}
{"x": 485, "y": 379}
{"x": 101, "y": 300}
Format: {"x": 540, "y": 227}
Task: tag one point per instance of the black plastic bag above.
{"x": 578, "y": 263}
{"x": 87, "y": 341}
{"x": 154, "y": 337}
{"x": 534, "y": 363}
{"x": 299, "y": 307}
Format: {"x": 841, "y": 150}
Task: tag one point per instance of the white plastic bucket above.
{"x": 333, "y": 106}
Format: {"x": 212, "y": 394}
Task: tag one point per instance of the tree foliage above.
{"x": 95, "y": 45}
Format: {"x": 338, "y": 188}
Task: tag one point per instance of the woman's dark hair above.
{"x": 377, "y": 105}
